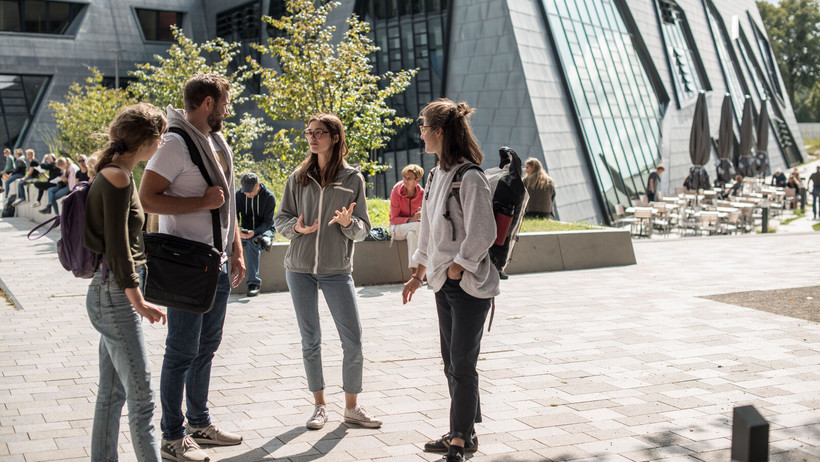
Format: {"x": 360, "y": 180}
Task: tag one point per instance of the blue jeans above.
{"x": 190, "y": 346}
{"x": 815, "y": 195}
{"x": 341, "y": 300}
{"x": 21, "y": 187}
{"x": 10, "y": 180}
{"x": 252, "y": 253}
{"x": 125, "y": 374}
{"x": 461, "y": 325}
{"x": 55, "y": 193}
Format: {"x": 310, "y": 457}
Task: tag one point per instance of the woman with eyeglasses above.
{"x": 454, "y": 242}
{"x": 113, "y": 229}
{"x": 84, "y": 173}
{"x": 323, "y": 211}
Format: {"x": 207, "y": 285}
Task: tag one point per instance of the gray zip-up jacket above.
{"x": 329, "y": 250}
{"x": 475, "y": 232}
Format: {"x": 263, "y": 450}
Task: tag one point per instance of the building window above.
{"x": 688, "y": 74}
{"x": 20, "y": 97}
{"x": 619, "y": 108}
{"x": 156, "y": 24}
{"x": 242, "y": 25}
{"x": 409, "y": 35}
{"x": 768, "y": 59}
{"x": 39, "y": 17}
{"x": 728, "y": 60}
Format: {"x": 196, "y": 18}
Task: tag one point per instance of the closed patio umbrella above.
{"x": 762, "y": 154}
{"x": 726, "y": 142}
{"x": 746, "y": 165}
{"x": 700, "y": 145}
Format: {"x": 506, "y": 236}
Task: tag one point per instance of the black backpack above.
{"x": 8, "y": 210}
{"x": 509, "y": 202}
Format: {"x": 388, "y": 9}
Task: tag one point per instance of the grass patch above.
{"x": 816, "y": 226}
{"x": 797, "y": 214}
{"x": 379, "y": 211}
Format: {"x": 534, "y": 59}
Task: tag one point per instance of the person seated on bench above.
{"x": 405, "y": 210}
{"x": 255, "y": 208}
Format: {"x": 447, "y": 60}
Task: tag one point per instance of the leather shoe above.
{"x": 253, "y": 290}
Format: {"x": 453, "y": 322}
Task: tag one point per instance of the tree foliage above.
{"x": 317, "y": 75}
{"x": 793, "y": 27}
{"x": 161, "y": 84}
{"x": 83, "y": 117}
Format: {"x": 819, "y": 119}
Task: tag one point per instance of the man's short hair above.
{"x": 249, "y": 181}
{"x": 414, "y": 169}
{"x": 201, "y": 86}
{"x": 660, "y": 167}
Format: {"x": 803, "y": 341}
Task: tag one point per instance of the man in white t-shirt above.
{"x": 173, "y": 187}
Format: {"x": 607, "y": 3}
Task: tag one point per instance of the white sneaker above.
{"x": 318, "y": 419}
{"x": 359, "y": 416}
{"x": 18, "y": 202}
{"x": 36, "y": 204}
{"x": 184, "y": 449}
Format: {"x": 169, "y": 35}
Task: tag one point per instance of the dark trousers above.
{"x": 42, "y": 187}
{"x": 461, "y": 324}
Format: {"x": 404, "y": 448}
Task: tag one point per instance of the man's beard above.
{"x": 215, "y": 121}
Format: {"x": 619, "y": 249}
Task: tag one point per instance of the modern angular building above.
{"x": 601, "y": 91}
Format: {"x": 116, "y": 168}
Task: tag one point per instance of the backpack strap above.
{"x": 54, "y": 221}
{"x": 454, "y": 192}
{"x": 196, "y": 157}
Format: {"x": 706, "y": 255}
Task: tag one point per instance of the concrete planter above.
{"x": 379, "y": 262}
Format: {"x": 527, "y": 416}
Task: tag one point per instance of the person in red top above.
{"x": 405, "y": 210}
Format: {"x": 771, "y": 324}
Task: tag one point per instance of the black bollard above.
{"x": 764, "y": 220}
{"x": 750, "y": 435}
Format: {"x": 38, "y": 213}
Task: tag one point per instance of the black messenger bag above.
{"x": 181, "y": 273}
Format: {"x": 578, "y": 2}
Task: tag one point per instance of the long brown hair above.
{"x": 538, "y": 178}
{"x": 337, "y": 153}
{"x": 458, "y": 141}
{"x": 134, "y": 126}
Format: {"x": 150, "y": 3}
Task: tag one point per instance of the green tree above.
{"x": 162, "y": 83}
{"x": 84, "y": 116}
{"x": 319, "y": 76}
{"x": 793, "y": 27}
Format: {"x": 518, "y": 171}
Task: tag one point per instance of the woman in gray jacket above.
{"x": 330, "y": 195}
{"x": 457, "y": 266}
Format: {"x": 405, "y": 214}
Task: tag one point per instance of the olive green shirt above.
{"x": 113, "y": 226}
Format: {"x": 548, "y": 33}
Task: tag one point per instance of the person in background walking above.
{"x": 814, "y": 179}
{"x": 113, "y": 228}
{"x": 541, "y": 189}
{"x": 323, "y": 211}
{"x": 405, "y": 210}
{"x": 457, "y": 268}
{"x": 653, "y": 183}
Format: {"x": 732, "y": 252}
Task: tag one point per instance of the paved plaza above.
{"x": 614, "y": 364}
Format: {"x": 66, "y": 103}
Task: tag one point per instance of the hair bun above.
{"x": 463, "y": 109}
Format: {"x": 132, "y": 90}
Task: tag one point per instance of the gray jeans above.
{"x": 341, "y": 300}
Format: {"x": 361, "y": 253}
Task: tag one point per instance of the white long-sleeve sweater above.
{"x": 475, "y": 232}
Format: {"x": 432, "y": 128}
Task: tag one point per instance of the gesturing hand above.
{"x": 343, "y": 217}
{"x": 302, "y": 229}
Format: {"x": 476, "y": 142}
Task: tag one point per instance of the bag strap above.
{"x": 196, "y": 157}
{"x": 55, "y": 222}
{"x": 454, "y": 192}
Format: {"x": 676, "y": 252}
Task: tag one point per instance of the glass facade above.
{"x": 156, "y": 24}
{"x": 20, "y": 96}
{"x": 618, "y": 108}
{"x": 410, "y": 34}
{"x": 688, "y": 74}
{"x": 242, "y": 25}
{"x": 728, "y": 60}
{"x": 37, "y": 16}
{"x": 768, "y": 59}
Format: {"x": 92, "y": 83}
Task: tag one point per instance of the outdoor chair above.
{"x": 621, "y": 218}
{"x": 709, "y": 222}
{"x": 790, "y": 198}
{"x": 642, "y": 226}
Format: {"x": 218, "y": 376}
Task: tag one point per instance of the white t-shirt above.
{"x": 173, "y": 162}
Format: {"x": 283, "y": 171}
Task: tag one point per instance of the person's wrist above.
{"x": 417, "y": 279}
